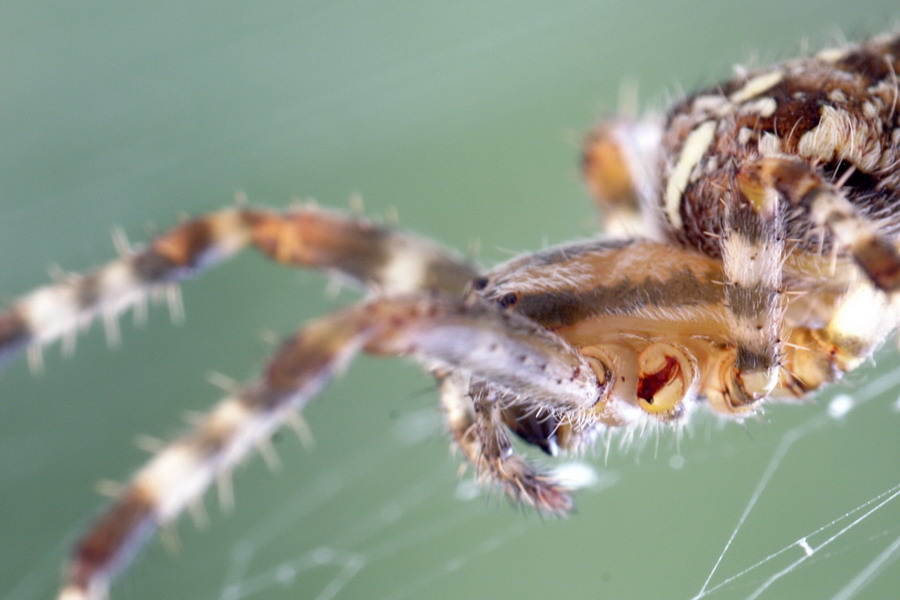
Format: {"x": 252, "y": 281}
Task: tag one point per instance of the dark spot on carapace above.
{"x": 564, "y": 308}
{"x": 798, "y": 109}
{"x": 872, "y": 66}
{"x": 507, "y": 300}
{"x": 856, "y": 183}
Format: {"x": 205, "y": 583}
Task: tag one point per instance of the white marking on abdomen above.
{"x": 695, "y": 146}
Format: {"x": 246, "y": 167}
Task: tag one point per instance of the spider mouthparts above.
{"x": 535, "y": 429}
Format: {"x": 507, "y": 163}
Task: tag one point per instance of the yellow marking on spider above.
{"x": 694, "y": 148}
{"x": 756, "y": 86}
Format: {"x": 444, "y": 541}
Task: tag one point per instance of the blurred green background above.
{"x": 466, "y": 118}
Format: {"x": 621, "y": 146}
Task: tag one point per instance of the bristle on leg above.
{"x": 378, "y": 257}
{"x": 433, "y": 329}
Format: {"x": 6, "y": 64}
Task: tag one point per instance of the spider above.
{"x": 751, "y": 257}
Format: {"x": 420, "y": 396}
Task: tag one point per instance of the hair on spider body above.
{"x": 751, "y": 258}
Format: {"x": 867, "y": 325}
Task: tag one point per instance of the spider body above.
{"x": 752, "y": 257}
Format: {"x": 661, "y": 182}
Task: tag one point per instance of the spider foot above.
{"x": 523, "y": 482}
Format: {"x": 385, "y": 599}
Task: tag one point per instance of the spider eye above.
{"x": 667, "y": 376}
{"x": 480, "y": 283}
{"x": 507, "y": 300}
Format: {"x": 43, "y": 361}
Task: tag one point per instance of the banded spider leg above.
{"x": 425, "y": 317}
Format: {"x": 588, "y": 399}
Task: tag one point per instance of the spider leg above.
{"x": 617, "y": 164}
{"x": 380, "y": 258}
{"x": 474, "y": 413}
{"x": 752, "y": 256}
{"x": 815, "y": 357}
{"x": 829, "y": 209}
{"x": 517, "y": 356}
{"x": 754, "y": 252}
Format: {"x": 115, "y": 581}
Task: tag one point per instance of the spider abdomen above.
{"x": 836, "y": 111}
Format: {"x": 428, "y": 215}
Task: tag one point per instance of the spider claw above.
{"x": 522, "y": 482}
{"x": 551, "y": 499}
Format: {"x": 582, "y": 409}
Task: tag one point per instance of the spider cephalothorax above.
{"x": 752, "y": 256}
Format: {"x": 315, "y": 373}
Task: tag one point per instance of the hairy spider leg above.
{"x": 828, "y": 208}
{"x": 475, "y": 337}
{"x": 480, "y": 416}
{"x": 618, "y": 162}
{"x": 385, "y": 260}
{"x": 752, "y": 249}
{"x": 861, "y": 315}
{"x": 814, "y": 357}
